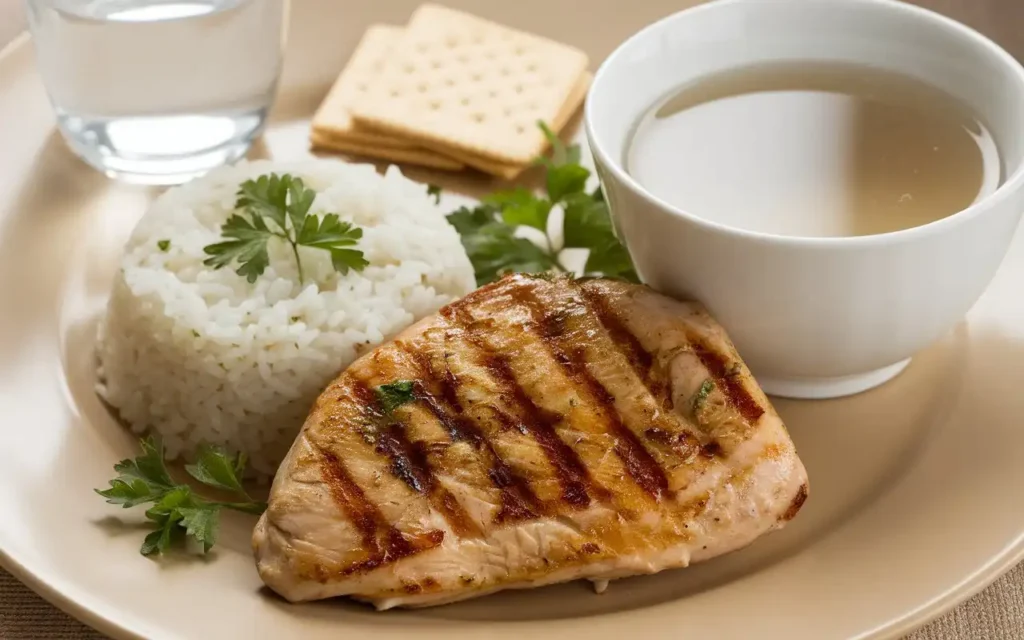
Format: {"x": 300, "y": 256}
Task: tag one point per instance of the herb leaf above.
{"x": 494, "y": 249}
{"x": 163, "y": 245}
{"x": 332, "y": 234}
{"x": 701, "y": 396}
{"x": 178, "y": 511}
{"x": 393, "y": 395}
{"x": 215, "y": 467}
{"x": 160, "y": 540}
{"x": 435, "y": 191}
{"x": 520, "y": 207}
{"x": 285, "y": 201}
{"x": 469, "y": 221}
{"x": 128, "y": 493}
{"x": 149, "y": 467}
{"x": 566, "y": 179}
{"x": 612, "y": 261}
{"x": 265, "y": 197}
{"x": 201, "y": 524}
{"x": 488, "y": 230}
{"x": 560, "y": 153}
{"x": 301, "y": 199}
{"x": 587, "y": 223}
{"x": 247, "y": 245}
{"x": 180, "y": 496}
{"x": 151, "y": 544}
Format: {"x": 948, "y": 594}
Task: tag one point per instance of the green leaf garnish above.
{"x": 201, "y": 524}
{"x": 333, "y": 235}
{"x": 701, "y": 396}
{"x": 435, "y": 191}
{"x": 177, "y": 511}
{"x": 247, "y": 244}
{"x": 521, "y": 207}
{"x": 217, "y": 468}
{"x": 285, "y": 202}
{"x": 564, "y": 180}
{"x": 148, "y": 467}
{"x": 393, "y": 395}
{"x": 160, "y": 540}
{"x": 494, "y": 249}
{"x": 488, "y": 231}
{"x": 163, "y": 245}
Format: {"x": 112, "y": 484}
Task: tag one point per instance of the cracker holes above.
{"x": 518, "y": 88}
{"x": 395, "y": 93}
{"x": 409, "y": 68}
{"x": 477, "y": 77}
{"x": 505, "y": 71}
{"x": 479, "y": 116}
{"x": 464, "y": 101}
{"x": 435, "y": 105}
{"x": 435, "y": 64}
{"x": 422, "y": 87}
{"x": 449, "y": 82}
{"x": 463, "y": 58}
{"x": 519, "y": 50}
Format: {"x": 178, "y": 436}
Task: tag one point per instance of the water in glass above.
{"x": 159, "y": 91}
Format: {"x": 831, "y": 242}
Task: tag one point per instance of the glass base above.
{"x": 837, "y": 387}
{"x": 161, "y": 150}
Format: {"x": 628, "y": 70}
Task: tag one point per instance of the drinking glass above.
{"x": 159, "y": 91}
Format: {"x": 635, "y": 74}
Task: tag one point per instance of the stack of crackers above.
{"x": 449, "y": 91}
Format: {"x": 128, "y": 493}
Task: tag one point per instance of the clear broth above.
{"x": 814, "y": 149}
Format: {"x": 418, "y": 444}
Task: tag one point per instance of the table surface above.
{"x": 995, "y": 614}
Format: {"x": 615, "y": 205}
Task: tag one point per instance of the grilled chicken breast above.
{"x": 555, "y": 430}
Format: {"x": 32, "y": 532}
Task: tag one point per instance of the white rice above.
{"x": 201, "y": 355}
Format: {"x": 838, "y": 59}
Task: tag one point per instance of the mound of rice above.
{"x": 201, "y": 355}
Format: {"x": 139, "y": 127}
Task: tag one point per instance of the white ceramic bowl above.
{"x": 814, "y": 317}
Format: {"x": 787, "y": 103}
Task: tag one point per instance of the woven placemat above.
{"x": 995, "y": 614}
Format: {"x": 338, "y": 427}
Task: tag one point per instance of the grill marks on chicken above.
{"x": 383, "y": 542}
{"x": 551, "y": 324}
{"x": 410, "y": 461}
{"x": 557, "y": 406}
{"x": 727, "y": 380}
{"x": 525, "y": 416}
{"x": 517, "y": 501}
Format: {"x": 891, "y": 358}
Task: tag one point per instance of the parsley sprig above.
{"x": 394, "y": 394}
{"x": 178, "y": 512}
{"x": 277, "y": 206}
{"x": 488, "y": 230}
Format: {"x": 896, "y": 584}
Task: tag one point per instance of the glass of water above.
{"x": 159, "y": 91}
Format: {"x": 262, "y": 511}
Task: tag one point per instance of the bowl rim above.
{"x": 1011, "y": 185}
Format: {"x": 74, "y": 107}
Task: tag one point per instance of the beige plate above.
{"x": 913, "y": 485}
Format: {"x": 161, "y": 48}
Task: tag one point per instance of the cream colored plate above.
{"x": 913, "y": 485}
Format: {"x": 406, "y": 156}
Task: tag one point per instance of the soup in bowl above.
{"x": 837, "y": 181}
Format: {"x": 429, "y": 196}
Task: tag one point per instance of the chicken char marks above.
{"x": 558, "y": 429}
